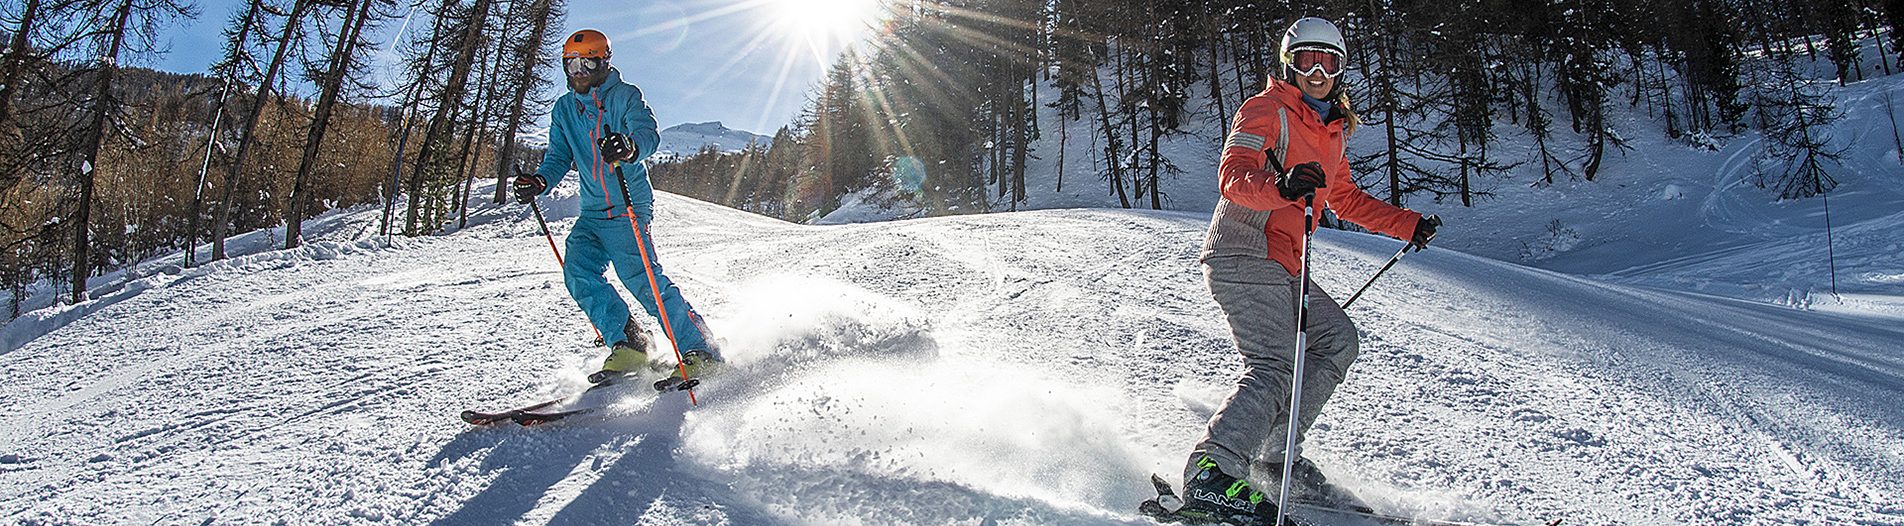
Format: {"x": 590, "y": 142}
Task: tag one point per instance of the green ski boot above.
{"x": 696, "y": 364}
{"x": 627, "y": 356}
{"x": 1212, "y": 496}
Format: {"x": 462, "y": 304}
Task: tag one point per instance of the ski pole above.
{"x": 1378, "y": 273}
{"x": 1302, "y": 348}
{"x": 654, "y": 287}
{"x": 647, "y": 264}
{"x": 1391, "y": 263}
{"x": 546, "y": 234}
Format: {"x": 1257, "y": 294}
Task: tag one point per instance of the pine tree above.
{"x": 247, "y": 136}
{"x": 113, "y": 27}
{"x": 340, "y": 63}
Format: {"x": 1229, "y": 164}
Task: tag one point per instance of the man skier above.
{"x": 1287, "y": 143}
{"x": 602, "y": 129}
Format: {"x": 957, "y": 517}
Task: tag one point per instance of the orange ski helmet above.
{"x": 587, "y": 43}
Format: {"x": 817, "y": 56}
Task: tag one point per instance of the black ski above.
{"x": 529, "y": 416}
{"x": 675, "y": 383}
{"x": 532, "y": 418}
{"x": 1163, "y": 509}
{"x": 480, "y": 418}
{"x": 1393, "y": 519}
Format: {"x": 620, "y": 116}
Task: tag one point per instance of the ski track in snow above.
{"x": 1028, "y": 368}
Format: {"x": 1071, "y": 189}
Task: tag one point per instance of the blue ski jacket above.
{"x": 577, "y": 122}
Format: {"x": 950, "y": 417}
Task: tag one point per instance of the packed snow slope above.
{"x": 1026, "y": 368}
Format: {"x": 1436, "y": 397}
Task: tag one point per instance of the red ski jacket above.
{"x": 1252, "y": 217}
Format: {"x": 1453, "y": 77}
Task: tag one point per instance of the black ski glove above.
{"x": 1425, "y": 231}
{"x": 1302, "y": 180}
{"x": 616, "y": 148}
{"x": 528, "y": 186}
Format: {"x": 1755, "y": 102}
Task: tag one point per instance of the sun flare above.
{"x": 823, "y": 24}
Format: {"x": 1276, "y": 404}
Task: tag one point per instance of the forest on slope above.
{"x": 103, "y": 164}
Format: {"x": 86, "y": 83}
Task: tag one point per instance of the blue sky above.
{"x": 737, "y": 61}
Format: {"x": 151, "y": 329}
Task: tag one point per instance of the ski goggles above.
{"x": 1311, "y": 60}
{"x": 583, "y": 66}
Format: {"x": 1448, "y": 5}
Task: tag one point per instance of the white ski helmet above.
{"x": 1312, "y": 33}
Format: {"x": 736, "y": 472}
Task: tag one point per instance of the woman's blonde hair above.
{"x": 1348, "y": 111}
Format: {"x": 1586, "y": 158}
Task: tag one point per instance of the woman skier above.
{"x": 1286, "y": 145}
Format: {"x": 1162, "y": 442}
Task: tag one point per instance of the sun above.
{"x": 823, "y": 25}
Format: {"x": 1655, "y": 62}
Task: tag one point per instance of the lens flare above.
{"x": 825, "y": 26}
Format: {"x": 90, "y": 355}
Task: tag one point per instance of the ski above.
{"x": 479, "y": 418}
{"x": 675, "y": 383}
{"x": 531, "y": 415}
{"x": 1164, "y": 507}
{"x": 531, "y": 418}
{"x": 1395, "y": 519}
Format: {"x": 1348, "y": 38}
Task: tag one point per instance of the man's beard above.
{"x": 584, "y": 84}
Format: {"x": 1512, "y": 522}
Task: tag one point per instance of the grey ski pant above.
{"x": 1259, "y": 298}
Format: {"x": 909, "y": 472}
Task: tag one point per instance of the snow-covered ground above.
{"x": 1019, "y": 368}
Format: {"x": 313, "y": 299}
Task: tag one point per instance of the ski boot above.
{"x": 1307, "y": 485}
{"x": 1214, "y": 497}
{"x": 626, "y": 356}
{"x": 696, "y": 364}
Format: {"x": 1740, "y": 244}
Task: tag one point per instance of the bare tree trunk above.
{"x": 1020, "y": 145}
{"x": 453, "y": 90}
{"x": 15, "y": 59}
{"x": 1216, "y": 78}
{"x": 409, "y": 124}
{"x": 222, "y": 218}
{"x": 19, "y": 50}
{"x": 1155, "y": 160}
{"x": 1111, "y": 143}
{"x": 466, "y": 165}
{"x": 198, "y": 189}
{"x": 468, "y": 174}
{"x": 1130, "y": 116}
{"x": 211, "y": 140}
{"x": 342, "y": 55}
{"x": 1467, "y": 195}
{"x": 1064, "y": 137}
{"x": 1388, "y": 102}
{"x": 396, "y": 168}
{"x": 527, "y": 57}
{"x": 103, "y": 105}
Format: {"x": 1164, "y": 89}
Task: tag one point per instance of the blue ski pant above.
{"x": 600, "y": 239}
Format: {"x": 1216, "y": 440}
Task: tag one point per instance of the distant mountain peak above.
{"x": 709, "y": 125}
{"x": 684, "y": 139}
